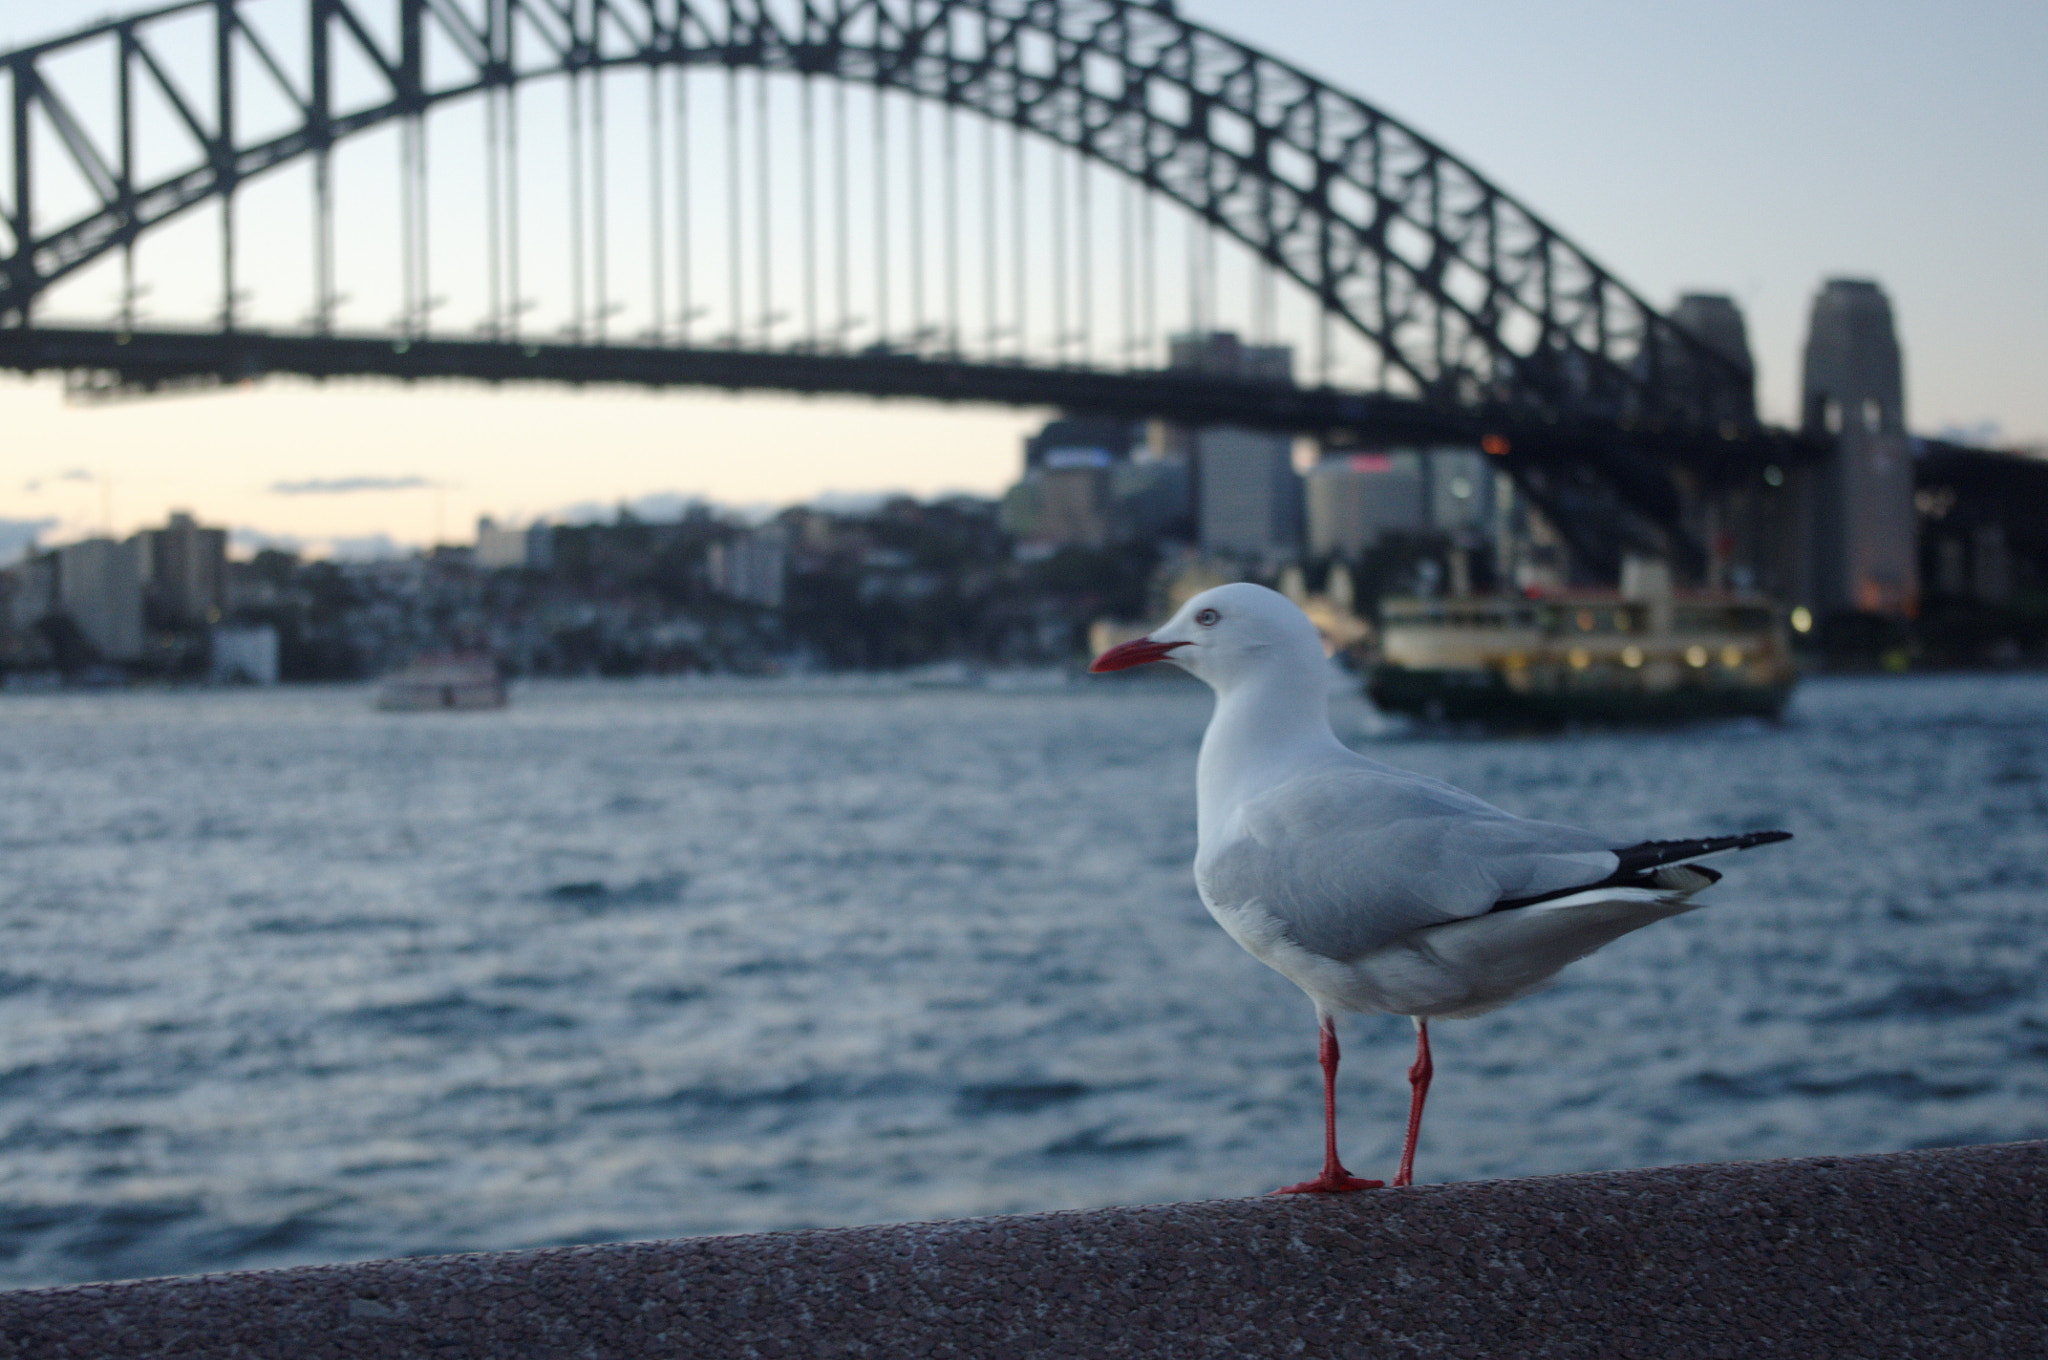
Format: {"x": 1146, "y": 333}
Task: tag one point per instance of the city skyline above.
{"x": 1752, "y": 152}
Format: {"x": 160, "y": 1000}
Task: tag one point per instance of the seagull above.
{"x": 1373, "y": 888}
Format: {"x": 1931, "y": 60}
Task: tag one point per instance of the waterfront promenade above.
{"x": 1939, "y": 1253}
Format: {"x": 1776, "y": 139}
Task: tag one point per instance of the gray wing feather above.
{"x": 1351, "y": 858}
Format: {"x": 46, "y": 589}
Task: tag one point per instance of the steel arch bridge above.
{"x": 1480, "y": 317}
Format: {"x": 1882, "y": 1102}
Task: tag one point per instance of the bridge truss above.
{"x": 668, "y": 192}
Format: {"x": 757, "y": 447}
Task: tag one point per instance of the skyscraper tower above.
{"x": 1247, "y": 495}
{"x": 1861, "y": 542}
{"x": 1715, "y": 319}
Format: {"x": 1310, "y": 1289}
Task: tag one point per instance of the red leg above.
{"x": 1418, "y": 1082}
{"x": 1335, "y": 1180}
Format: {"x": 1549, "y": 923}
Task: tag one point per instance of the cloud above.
{"x": 342, "y": 486}
{"x": 17, "y": 536}
{"x": 76, "y": 475}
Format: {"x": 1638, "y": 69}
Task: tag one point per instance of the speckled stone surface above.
{"x": 1914, "y": 1254}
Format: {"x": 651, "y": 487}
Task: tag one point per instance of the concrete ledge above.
{"x": 1924, "y": 1254}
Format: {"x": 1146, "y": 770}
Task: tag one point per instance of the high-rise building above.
{"x": 1461, "y": 487}
{"x": 184, "y": 571}
{"x": 1859, "y": 504}
{"x": 1089, "y": 483}
{"x": 1074, "y": 507}
{"x": 1716, "y": 396}
{"x": 1149, "y": 497}
{"x": 1355, "y": 499}
{"x": 99, "y": 586}
{"x": 1248, "y": 497}
{"x": 28, "y": 591}
{"x": 1071, "y": 440}
{"x": 501, "y": 547}
{"x": 752, "y": 566}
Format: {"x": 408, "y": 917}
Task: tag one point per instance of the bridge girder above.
{"x": 1486, "y": 318}
{"x": 1470, "y": 298}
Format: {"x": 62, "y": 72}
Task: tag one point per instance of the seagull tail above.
{"x": 1504, "y": 955}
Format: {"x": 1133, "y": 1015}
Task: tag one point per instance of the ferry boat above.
{"x": 440, "y": 681}
{"x": 1583, "y": 656}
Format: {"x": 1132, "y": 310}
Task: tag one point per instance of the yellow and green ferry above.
{"x": 1583, "y": 656}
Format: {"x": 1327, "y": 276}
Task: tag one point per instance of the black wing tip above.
{"x": 1650, "y": 854}
{"x": 1655, "y": 864}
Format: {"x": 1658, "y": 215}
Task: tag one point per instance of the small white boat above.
{"x": 944, "y": 675}
{"x": 447, "y": 680}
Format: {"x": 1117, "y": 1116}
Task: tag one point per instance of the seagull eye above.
{"x": 1207, "y": 618}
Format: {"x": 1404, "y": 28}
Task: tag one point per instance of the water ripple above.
{"x": 647, "y": 960}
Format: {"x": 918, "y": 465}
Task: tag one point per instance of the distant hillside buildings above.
{"x": 1244, "y": 501}
{"x": 1834, "y": 538}
{"x": 751, "y": 566}
{"x": 1110, "y": 519}
{"x": 501, "y": 546}
{"x": 104, "y": 602}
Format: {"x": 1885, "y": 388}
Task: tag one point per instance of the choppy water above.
{"x": 283, "y": 979}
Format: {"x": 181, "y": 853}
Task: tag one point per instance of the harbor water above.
{"x": 285, "y": 979}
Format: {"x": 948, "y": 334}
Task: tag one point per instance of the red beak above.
{"x": 1134, "y": 653}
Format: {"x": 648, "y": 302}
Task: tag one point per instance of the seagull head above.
{"x": 1225, "y": 636}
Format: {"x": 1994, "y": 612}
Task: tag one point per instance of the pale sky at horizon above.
{"x": 1741, "y": 147}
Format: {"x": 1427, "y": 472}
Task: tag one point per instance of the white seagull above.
{"x": 1373, "y": 888}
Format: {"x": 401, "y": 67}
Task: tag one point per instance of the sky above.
{"x": 1741, "y": 147}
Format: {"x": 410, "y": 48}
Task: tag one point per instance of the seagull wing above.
{"x": 1351, "y": 857}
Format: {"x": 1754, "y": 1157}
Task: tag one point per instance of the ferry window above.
{"x": 1584, "y": 620}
